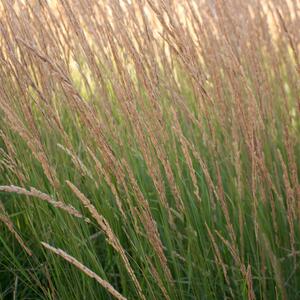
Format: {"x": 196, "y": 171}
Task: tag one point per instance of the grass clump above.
{"x": 149, "y": 149}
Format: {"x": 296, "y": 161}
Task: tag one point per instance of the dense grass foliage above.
{"x": 149, "y": 149}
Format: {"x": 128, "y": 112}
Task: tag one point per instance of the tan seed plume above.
{"x": 110, "y": 235}
{"x": 85, "y": 270}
